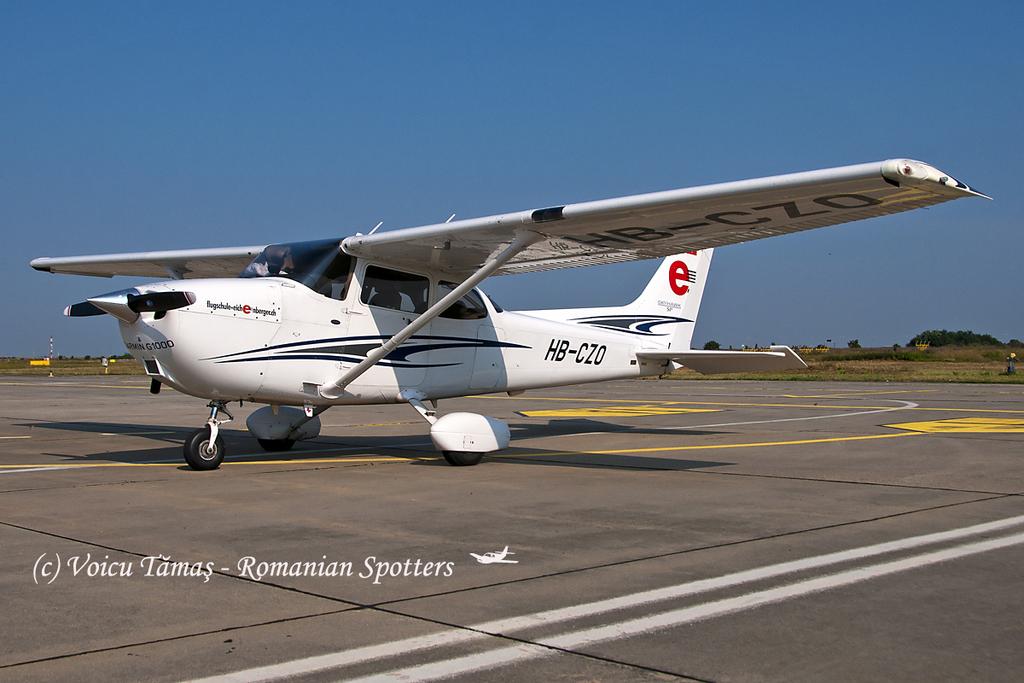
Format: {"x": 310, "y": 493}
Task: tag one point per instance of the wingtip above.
{"x": 924, "y": 175}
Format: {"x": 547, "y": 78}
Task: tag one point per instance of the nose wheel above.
{"x": 204, "y": 448}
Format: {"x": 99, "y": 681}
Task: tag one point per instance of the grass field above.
{"x": 70, "y": 366}
{"x": 944, "y": 364}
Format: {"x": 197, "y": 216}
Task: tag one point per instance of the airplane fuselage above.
{"x": 273, "y": 340}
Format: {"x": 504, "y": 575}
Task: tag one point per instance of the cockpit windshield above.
{"x": 319, "y": 265}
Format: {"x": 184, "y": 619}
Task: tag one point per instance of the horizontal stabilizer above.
{"x": 715, "y": 362}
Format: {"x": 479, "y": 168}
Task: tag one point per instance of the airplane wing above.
{"x": 714, "y": 362}
{"x": 178, "y": 264}
{"x": 662, "y": 223}
{"x": 630, "y": 228}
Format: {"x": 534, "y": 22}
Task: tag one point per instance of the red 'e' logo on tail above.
{"x": 678, "y": 277}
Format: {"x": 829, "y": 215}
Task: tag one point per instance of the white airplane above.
{"x": 496, "y": 557}
{"x": 395, "y": 317}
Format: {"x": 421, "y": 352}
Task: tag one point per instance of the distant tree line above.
{"x": 930, "y": 337}
{"x": 958, "y": 338}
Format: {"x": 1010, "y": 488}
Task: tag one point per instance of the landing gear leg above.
{"x": 204, "y": 448}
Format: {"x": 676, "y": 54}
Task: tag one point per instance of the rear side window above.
{"x": 469, "y": 307}
{"x": 394, "y": 289}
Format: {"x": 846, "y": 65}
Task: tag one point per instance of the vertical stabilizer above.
{"x": 665, "y": 313}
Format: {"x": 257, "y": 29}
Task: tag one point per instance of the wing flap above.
{"x": 780, "y": 358}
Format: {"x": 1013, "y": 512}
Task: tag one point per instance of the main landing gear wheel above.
{"x": 462, "y": 458}
{"x": 276, "y": 445}
{"x": 200, "y": 453}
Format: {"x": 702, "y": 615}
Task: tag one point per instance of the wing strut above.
{"x": 523, "y": 239}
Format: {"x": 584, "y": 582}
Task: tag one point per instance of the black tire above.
{"x": 462, "y": 458}
{"x": 276, "y": 445}
{"x": 195, "y": 450}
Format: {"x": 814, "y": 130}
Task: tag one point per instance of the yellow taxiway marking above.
{"x": 678, "y": 403}
{"x": 717, "y": 446}
{"x": 407, "y": 458}
{"x": 297, "y": 461}
{"x": 166, "y": 431}
{"x": 560, "y": 398}
{"x": 316, "y": 461}
{"x": 746, "y": 405}
{"x": 379, "y": 424}
{"x": 965, "y": 425}
{"x": 617, "y": 411}
{"x": 967, "y": 410}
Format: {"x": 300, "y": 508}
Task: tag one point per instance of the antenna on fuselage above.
{"x": 450, "y": 218}
{"x": 376, "y": 228}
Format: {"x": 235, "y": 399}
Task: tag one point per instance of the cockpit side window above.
{"x": 469, "y": 307}
{"x": 394, "y": 289}
{"x": 333, "y": 281}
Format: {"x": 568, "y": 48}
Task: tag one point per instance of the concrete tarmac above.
{"x": 658, "y": 530}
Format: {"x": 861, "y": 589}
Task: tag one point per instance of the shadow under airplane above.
{"x": 242, "y": 444}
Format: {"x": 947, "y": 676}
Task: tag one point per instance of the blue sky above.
{"x": 144, "y": 125}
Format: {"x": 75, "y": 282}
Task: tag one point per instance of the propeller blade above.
{"x": 126, "y": 304}
{"x": 82, "y": 309}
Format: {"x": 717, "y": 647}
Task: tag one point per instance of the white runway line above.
{"x": 907, "y": 405}
{"x": 482, "y": 630}
{"x": 15, "y": 437}
{"x": 679, "y": 617}
{"x": 44, "y": 469}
